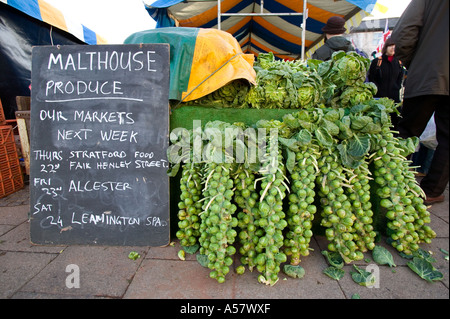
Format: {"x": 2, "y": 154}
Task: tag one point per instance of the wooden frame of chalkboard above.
{"x": 98, "y": 142}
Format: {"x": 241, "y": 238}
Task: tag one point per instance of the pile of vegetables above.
{"x": 337, "y": 82}
{"x": 280, "y": 84}
{"x": 335, "y": 159}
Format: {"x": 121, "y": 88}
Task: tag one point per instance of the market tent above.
{"x": 45, "y": 12}
{"x": 26, "y": 23}
{"x": 278, "y": 30}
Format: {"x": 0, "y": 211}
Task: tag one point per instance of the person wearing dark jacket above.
{"x": 421, "y": 37}
{"x": 334, "y": 41}
{"x": 386, "y": 72}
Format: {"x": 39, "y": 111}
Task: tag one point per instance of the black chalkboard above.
{"x": 99, "y": 136}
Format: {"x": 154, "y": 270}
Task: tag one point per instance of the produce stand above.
{"x": 338, "y": 169}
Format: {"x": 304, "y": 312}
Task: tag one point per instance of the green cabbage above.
{"x": 354, "y": 95}
{"x": 344, "y": 69}
{"x": 284, "y": 84}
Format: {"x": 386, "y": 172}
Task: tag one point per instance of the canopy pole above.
{"x": 219, "y": 15}
{"x": 305, "y": 16}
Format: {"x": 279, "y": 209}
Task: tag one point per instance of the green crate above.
{"x": 185, "y": 115}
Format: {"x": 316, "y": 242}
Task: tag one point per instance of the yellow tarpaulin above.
{"x": 218, "y": 59}
{"x": 201, "y": 60}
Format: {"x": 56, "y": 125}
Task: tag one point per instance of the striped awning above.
{"x": 278, "y": 31}
{"x": 41, "y": 10}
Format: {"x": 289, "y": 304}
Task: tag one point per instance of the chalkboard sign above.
{"x": 99, "y": 136}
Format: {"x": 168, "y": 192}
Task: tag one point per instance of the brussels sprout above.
{"x": 401, "y": 198}
{"x": 217, "y": 224}
{"x": 190, "y": 184}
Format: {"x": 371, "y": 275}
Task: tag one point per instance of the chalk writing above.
{"x": 121, "y": 136}
{"x": 103, "y": 117}
{"x": 97, "y": 154}
{"x": 44, "y": 155}
{"x": 113, "y": 61}
{"x": 89, "y": 186}
{"x": 52, "y": 115}
{"x": 81, "y": 134}
{"x": 81, "y": 87}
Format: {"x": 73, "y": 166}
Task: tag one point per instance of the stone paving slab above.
{"x": 14, "y": 215}
{"x": 394, "y": 283}
{"x": 21, "y": 197}
{"x": 18, "y": 239}
{"x": 314, "y": 284}
{"x": 103, "y": 272}
{"x": 176, "y": 279}
{"x": 168, "y": 253}
{"x": 17, "y": 268}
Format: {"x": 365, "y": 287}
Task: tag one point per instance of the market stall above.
{"x": 260, "y": 166}
{"x": 265, "y": 148}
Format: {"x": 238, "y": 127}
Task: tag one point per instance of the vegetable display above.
{"x": 334, "y": 159}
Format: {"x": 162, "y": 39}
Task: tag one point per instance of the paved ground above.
{"x": 29, "y": 271}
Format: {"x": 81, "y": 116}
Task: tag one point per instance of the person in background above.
{"x": 334, "y": 41}
{"x": 422, "y": 158}
{"x": 387, "y": 73}
{"x": 421, "y": 37}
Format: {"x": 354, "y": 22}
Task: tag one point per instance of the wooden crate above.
{"x": 11, "y": 177}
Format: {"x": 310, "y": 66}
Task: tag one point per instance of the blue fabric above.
{"x": 161, "y": 17}
{"x": 30, "y": 7}
{"x": 164, "y": 3}
{"x": 89, "y": 36}
{"x": 366, "y": 5}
